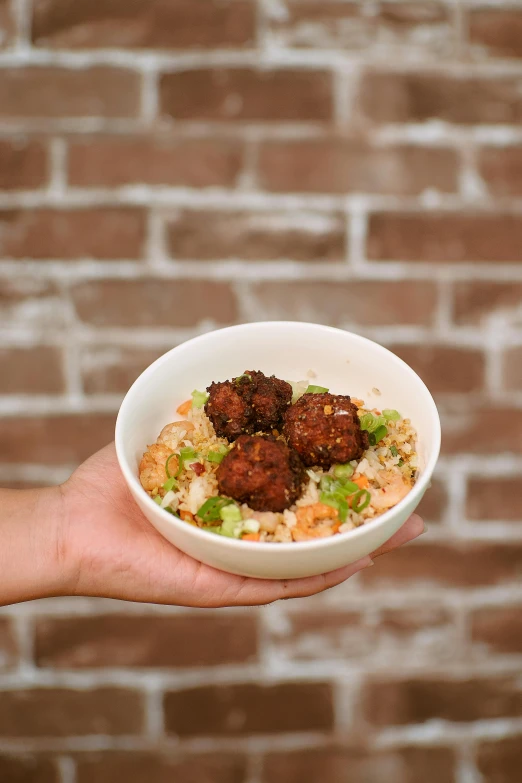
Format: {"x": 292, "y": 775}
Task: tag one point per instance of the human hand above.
{"x": 108, "y": 548}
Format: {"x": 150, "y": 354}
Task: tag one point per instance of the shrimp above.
{"x": 173, "y": 434}
{"x": 316, "y": 521}
{"x": 394, "y": 489}
{"x": 152, "y": 466}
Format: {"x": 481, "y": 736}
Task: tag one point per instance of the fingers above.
{"x": 412, "y": 528}
{"x": 254, "y": 592}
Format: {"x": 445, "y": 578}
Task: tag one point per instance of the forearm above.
{"x": 30, "y": 545}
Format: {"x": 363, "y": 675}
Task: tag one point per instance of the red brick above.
{"x": 465, "y": 565}
{"x": 501, "y": 170}
{"x": 497, "y": 629}
{"x": 98, "y": 232}
{"x": 340, "y": 166}
{"x": 114, "y": 767}
{"x": 495, "y": 498}
{"x": 349, "y": 26}
{"x": 176, "y": 24}
{"x": 8, "y": 648}
{"x": 249, "y": 709}
{"x": 25, "y": 769}
{"x": 496, "y": 32}
{"x": 342, "y": 635}
{"x": 433, "y": 505}
{"x": 158, "y": 160}
{"x": 417, "y": 97}
{"x": 31, "y": 370}
{"x": 512, "y": 369}
{"x": 332, "y": 634}
{"x": 28, "y": 301}
{"x": 486, "y": 430}
{"x": 474, "y": 301}
{"x": 23, "y": 164}
{"x": 335, "y": 764}
{"x": 499, "y": 761}
{"x": 154, "y": 302}
{"x": 445, "y": 236}
{"x": 7, "y": 24}
{"x": 244, "y": 94}
{"x": 55, "y": 440}
{"x": 255, "y": 236}
{"x": 117, "y": 640}
{"x": 445, "y": 369}
{"x": 53, "y": 92}
{"x": 417, "y": 701}
{"x": 370, "y": 303}
{"x": 49, "y": 712}
{"x": 110, "y": 369}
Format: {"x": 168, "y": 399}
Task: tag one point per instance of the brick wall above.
{"x": 169, "y": 166}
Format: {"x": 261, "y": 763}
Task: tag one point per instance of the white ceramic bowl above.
{"x": 345, "y": 363}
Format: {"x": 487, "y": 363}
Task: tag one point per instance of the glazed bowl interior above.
{"x": 343, "y": 362}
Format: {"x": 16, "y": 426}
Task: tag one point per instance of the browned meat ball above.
{"x": 324, "y": 429}
{"x": 247, "y": 404}
{"x": 262, "y": 472}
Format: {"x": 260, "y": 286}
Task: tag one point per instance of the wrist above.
{"x": 33, "y": 560}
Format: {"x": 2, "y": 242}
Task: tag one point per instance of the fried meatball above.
{"x": 247, "y": 404}
{"x": 262, "y": 472}
{"x": 324, "y": 429}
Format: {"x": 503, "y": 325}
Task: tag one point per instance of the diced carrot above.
{"x": 186, "y": 516}
{"x": 361, "y": 481}
{"x": 251, "y": 537}
{"x": 184, "y": 408}
{"x": 336, "y": 526}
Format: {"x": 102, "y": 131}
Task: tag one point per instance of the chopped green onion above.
{"x": 332, "y": 499}
{"x": 157, "y": 499}
{"x": 230, "y": 513}
{"x": 400, "y": 463}
{"x": 214, "y": 529}
{"x": 167, "y": 467}
{"x": 185, "y": 454}
{"x": 231, "y": 529}
{"x": 199, "y": 398}
{"x": 167, "y": 499}
{"x": 378, "y": 434}
{"x": 364, "y": 496}
{"x": 298, "y": 389}
{"x": 219, "y": 454}
{"x": 343, "y": 471}
{"x": 243, "y": 375}
{"x": 326, "y": 482}
{"x": 391, "y": 415}
{"x": 393, "y": 450}
{"x": 348, "y": 487}
{"x": 170, "y": 484}
{"x": 370, "y": 423}
{"x": 316, "y": 389}
{"x": 210, "y": 510}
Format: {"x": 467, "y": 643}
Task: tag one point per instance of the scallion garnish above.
{"x": 199, "y": 398}
{"x": 393, "y": 450}
{"x": 219, "y": 454}
{"x": 343, "y": 471}
{"x": 370, "y": 423}
{"x": 316, "y": 389}
{"x": 360, "y": 500}
{"x": 336, "y": 501}
{"x": 170, "y": 484}
{"x": 210, "y": 510}
{"x": 157, "y": 499}
{"x": 298, "y": 389}
{"x": 391, "y": 415}
{"x": 186, "y": 454}
{"x": 167, "y": 466}
{"x": 230, "y": 513}
{"x": 378, "y": 434}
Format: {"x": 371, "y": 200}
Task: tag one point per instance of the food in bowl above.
{"x": 257, "y": 458}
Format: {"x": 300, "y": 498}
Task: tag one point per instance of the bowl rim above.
{"x": 259, "y": 546}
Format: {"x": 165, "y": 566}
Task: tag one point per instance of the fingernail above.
{"x": 425, "y": 530}
{"x": 371, "y": 563}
